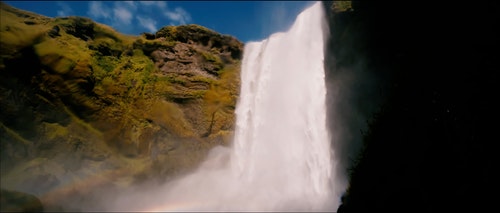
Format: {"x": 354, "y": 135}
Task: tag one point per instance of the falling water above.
{"x": 281, "y": 157}
{"x": 281, "y": 143}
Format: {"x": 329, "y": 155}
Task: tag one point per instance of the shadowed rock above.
{"x": 428, "y": 145}
{"x": 13, "y": 201}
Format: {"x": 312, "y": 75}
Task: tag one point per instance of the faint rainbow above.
{"x": 87, "y": 183}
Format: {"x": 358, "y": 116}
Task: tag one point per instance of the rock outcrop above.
{"x": 78, "y": 99}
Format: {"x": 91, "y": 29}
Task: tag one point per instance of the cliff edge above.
{"x": 84, "y": 107}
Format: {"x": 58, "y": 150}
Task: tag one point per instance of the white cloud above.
{"x": 98, "y": 10}
{"x": 126, "y": 4}
{"x": 118, "y": 15}
{"x": 159, "y": 4}
{"x": 130, "y": 3}
{"x": 123, "y": 15}
{"x": 147, "y": 23}
{"x": 65, "y": 9}
{"x": 178, "y": 16}
{"x": 130, "y": 16}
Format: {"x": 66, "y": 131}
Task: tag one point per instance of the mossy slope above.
{"x": 80, "y": 95}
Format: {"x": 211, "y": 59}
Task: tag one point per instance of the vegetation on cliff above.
{"x": 77, "y": 98}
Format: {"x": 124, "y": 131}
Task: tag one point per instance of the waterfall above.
{"x": 281, "y": 141}
{"x": 281, "y": 159}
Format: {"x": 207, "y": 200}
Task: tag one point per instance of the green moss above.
{"x": 66, "y": 46}
{"x": 209, "y": 57}
{"x": 148, "y": 46}
{"x": 169, "y": 116}
{"x": 174, "y": 79}
{"x": 220, "y": 100}
{"x": 58, "y": 63}
{"x": 107, "y": 81}
{"x": 130, "y": 77}
{"x": 105, "y": 64}
{"x": 177, "y": 93}
{"x": 54, "y": 130}
{"x": 15, "y": 135}
{"x": 341, "y": 6}
{"x": 230, "y": 81}
{"x": 103, "y": 31}
{"x": 81, "y": 122}
{"x": 212, "y": 58}
{"x": 137, "y": 52}
{"x": 200, "y": 78}
{"x": 62, "y": 54}
{"x": 168, "y": 32}
{"x": 15, "y": 34}
{"x": 131, "y": 99}
{"x": 107, "y": 46}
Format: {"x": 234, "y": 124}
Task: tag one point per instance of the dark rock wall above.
{"x": 429, "y": 72}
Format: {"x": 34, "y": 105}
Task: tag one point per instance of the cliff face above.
{"x": 427, "y": 142}
{"x": 78, "y": 99}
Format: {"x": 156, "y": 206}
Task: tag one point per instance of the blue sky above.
{"x": 246, "y": 20}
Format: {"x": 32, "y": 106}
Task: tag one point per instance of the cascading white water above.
{"x": 281, "y": 157}
{"x": 282, "y": 143}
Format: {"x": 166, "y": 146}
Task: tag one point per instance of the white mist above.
{"x": 281, "y": 159}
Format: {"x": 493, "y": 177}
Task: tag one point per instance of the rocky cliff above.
{"x": 83, "y": 107}
{"x": 422, "y": 77}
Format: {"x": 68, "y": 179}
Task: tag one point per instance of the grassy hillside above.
{"x": 78, "y": 98}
